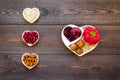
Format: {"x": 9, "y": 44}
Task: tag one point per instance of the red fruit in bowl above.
{"x": 76, "y": 32}
{"x": 72, "y": 33}
{"x": 67, "y": 31}
{"x": 30, "y": 37}
{"x": 68, "y": 34}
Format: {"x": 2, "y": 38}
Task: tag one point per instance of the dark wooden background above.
{"x": 56, "y": 61}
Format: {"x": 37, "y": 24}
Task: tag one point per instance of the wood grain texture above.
{"x": 50, "y": 39}
{"x": 62, "y": 11}
{"x": 56, "y": 61}
{"x": 61, "y": 67}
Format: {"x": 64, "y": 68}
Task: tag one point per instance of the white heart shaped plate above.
{"x": 31, "y": 14}
{"x": 86, "y": 49}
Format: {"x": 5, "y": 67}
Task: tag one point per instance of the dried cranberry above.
{"x": 30, "y": 37}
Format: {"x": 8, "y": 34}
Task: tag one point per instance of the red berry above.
{"x": 30, "y": 37}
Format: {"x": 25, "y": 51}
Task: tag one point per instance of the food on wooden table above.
{"x": 30, "y": 37}
{"x": 30, "y": 60}
{"x": 72, "y": 33}
{"x": 82, "y": 39}
{"x": 31, "y": 14}
{"x": 91, "y": 35}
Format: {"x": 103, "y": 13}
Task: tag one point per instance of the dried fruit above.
{"x": 30, "y": 37}
{"x": 72, "y": 33}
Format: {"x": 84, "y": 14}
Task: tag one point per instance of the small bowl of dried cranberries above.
{"x": 30, "y": 37}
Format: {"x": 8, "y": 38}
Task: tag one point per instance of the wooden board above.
{"x": 61, "y": 67}
{"x": 56, "y": 61}
{"x": 50, "y": 39}
{"x": 62, "y": 11}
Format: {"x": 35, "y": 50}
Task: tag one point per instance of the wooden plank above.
{"x": 62, "y": 11}
{"x": 50, "y": 40}
{"x": 61, "y": 67}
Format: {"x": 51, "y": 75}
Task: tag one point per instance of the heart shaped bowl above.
{"x": 83, "y": 50}
{"x": 30, "y": 44}
{"x": 65, "y": 40}
{"x": 30, "y": 60}
{"x": 31, "y": 14}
